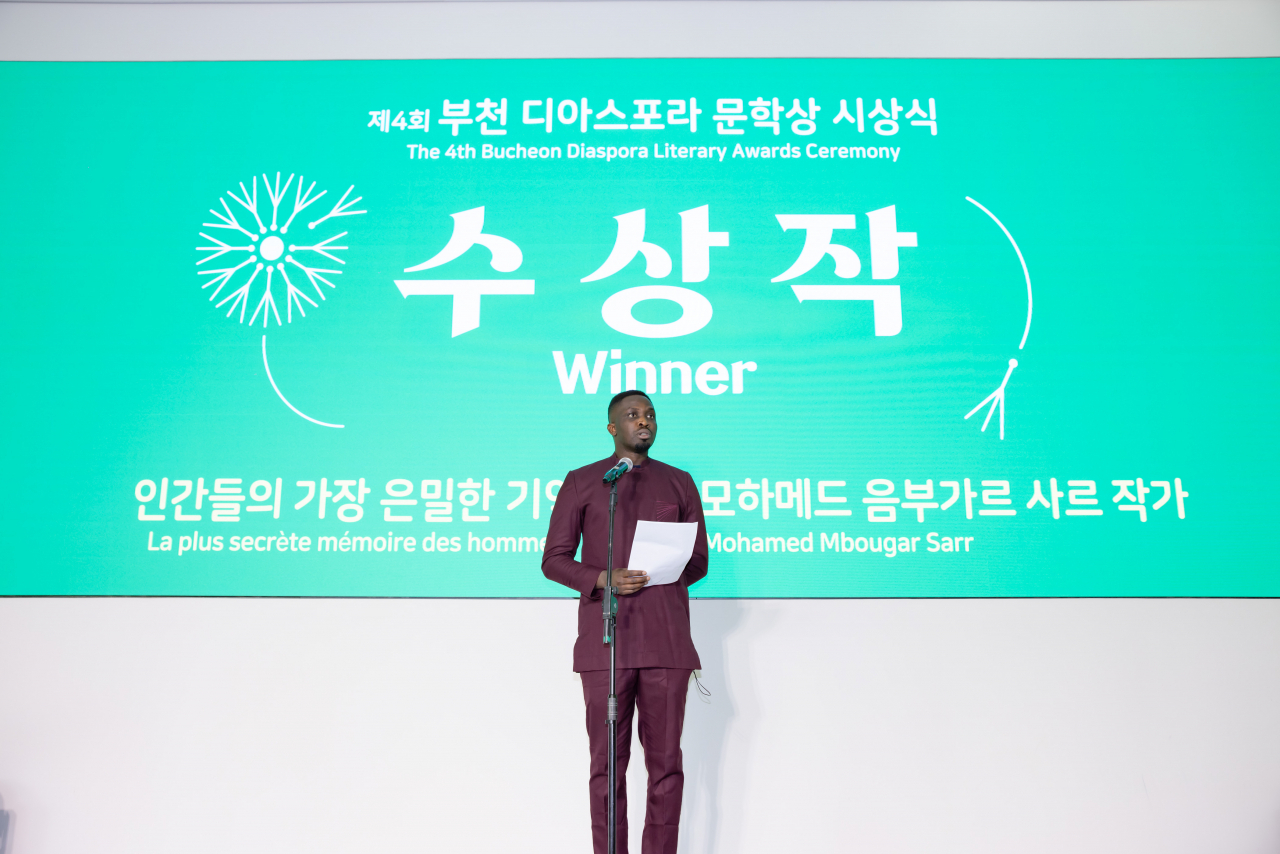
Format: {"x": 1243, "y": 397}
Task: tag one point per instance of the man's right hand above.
{"x": 627, "y": 581}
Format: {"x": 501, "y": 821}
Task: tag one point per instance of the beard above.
{"x": 642, "y": 445}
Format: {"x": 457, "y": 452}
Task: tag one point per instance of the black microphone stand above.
{"x": 611, "y": 640}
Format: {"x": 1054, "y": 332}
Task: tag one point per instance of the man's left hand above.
{"x": 627, "y": 581}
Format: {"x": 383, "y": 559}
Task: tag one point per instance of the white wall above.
{"x": 406, "y": 30}
{"x": 153, "y": 726}
{"x": 202, "y": 725}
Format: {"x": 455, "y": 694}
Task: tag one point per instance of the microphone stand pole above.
{"x": 611, "y": 640}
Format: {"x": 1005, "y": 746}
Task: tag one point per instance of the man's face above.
{"x": 633, "y": 424}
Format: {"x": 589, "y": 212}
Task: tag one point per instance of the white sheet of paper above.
{"x": 662, "y": 549}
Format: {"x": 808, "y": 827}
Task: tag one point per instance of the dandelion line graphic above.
{"x": 267, "y": 261}
{"x": 997, "y": 397}
{"x": 263, "y": 261}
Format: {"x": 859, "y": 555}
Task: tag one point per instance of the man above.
{"x": 655, "y": 653}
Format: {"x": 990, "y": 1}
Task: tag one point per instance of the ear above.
{"x": 613, "y": 431}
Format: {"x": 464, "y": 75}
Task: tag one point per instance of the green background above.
{"x": 1142, "y": 194}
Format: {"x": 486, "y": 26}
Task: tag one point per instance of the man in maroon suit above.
{"x": 655, "y": 653}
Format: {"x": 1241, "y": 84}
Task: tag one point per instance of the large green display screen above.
{"x": 916, "y": 328}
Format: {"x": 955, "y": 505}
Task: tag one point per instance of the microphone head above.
{"x": 624, "y": 465}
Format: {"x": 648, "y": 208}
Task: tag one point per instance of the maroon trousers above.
{"x": 658, "y": 694}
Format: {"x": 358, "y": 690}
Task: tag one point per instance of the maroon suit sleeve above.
{"x": 696, "y": 569}
{"x": 563, "y": 536}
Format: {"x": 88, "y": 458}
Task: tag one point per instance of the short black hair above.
{"x": 622, "y": 395}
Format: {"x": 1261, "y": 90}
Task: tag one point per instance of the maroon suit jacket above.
{"x": 653, "y": 623}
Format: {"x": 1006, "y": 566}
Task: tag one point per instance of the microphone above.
{"x": 624, "y": 465}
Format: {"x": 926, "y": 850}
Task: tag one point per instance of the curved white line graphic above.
{"x": 1022, "y": 260}
{"x": 277, "y": 388}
